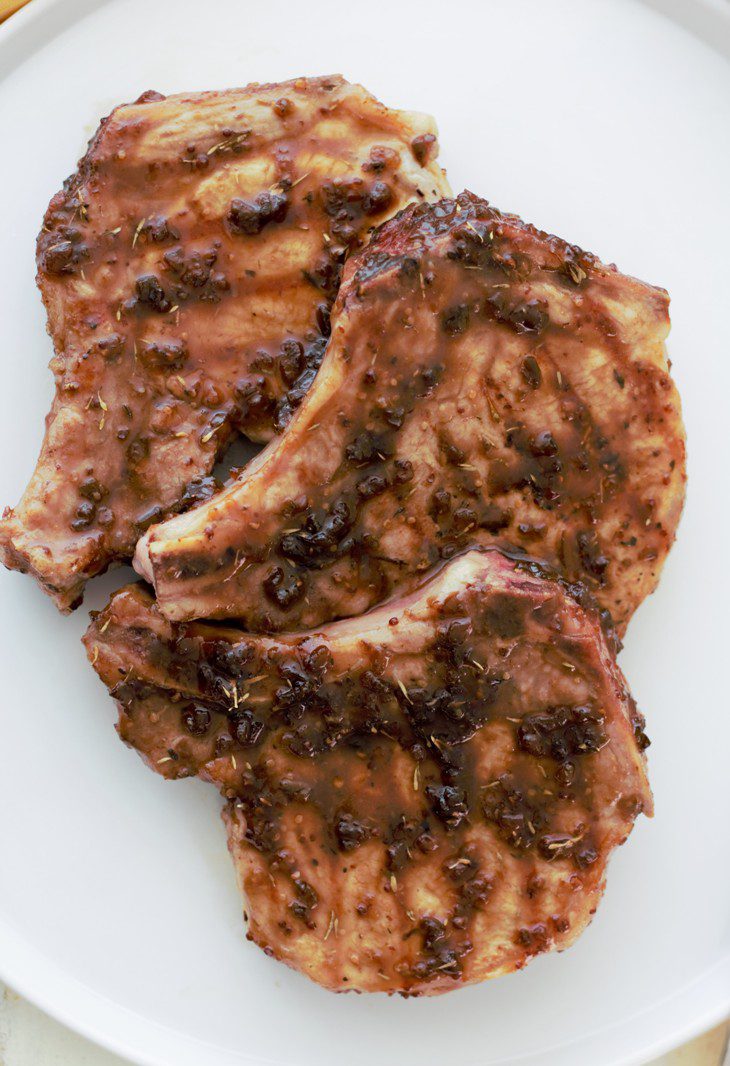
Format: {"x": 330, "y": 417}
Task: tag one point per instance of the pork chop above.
{"x": 188, "y": 268}
{"x": 416, "y": 799}
{"x": 484, "y": 382}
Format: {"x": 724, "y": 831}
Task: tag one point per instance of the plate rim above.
{"x": 78, "y": 1007}
{"x": 68, "y": 1001}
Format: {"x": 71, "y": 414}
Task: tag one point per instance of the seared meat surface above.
{"x": 416, "y": 799}
{"x": 188, "y": 268}
{"x": 484, "y": 382}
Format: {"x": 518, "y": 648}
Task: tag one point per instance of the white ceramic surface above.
{"x": 601, "y": 120}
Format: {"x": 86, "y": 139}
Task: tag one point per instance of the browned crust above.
{"x": 496, "y": 385}
{"x": 187, "y": 269}
{"x": 417, "y": 799}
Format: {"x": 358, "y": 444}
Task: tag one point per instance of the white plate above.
{"x": 603, "y": 121}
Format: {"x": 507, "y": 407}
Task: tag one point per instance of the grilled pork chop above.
{"x": 188, "y": 268}
{"x": 484, "y": 382}
{"x": 416, "y": 799}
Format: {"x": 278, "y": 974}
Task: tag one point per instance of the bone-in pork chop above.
{"x": 484, "y": 382}
{"x": 416, "y": 799}
{"x": 188, "y": 268}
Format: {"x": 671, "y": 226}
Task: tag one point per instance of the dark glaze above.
{"x": 188, "y": 270}
{"x": 480, "y": 386}
{"x": 491, "y": 757}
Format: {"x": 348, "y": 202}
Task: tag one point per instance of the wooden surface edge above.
{"x": 9, "y": 7}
